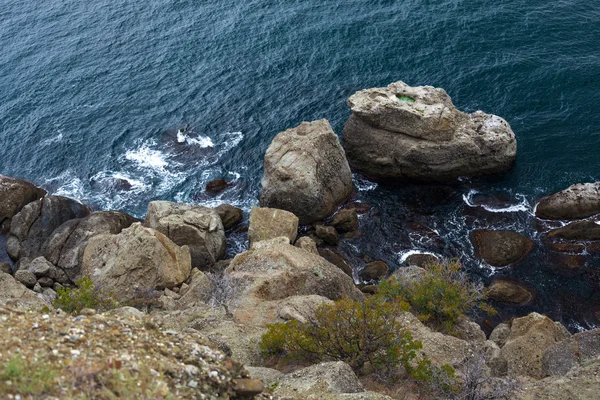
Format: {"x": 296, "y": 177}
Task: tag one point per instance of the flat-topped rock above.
{"x": 575, "y": 202}
{"x": 402, "y": 132}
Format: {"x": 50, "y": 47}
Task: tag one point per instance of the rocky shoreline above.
{"x": 173, "y": 263}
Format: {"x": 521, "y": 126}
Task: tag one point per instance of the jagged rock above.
{"x": 328, "y": 234}
{"x": 493, "y": 359}
{"x": 36, "y": 222}
{"x": 43, "y": 268}
{"x": 529, "y": 338}
{"x": 324, "y": 378}
{"x": 136, "y": 260}
{"x": 306, "y": 243}
{"x": 14, "y": 294}
{"x": 306, "y": 172}
{"x": 575, "y": 202}
{"x": 27, "y": 278}
{"x": 5, "y": 268}
{"x": 500, "y": 334}
{"x": 49, "y": 295}
{"x": 580, "y": 230}
{"x": 500, "y": 247}
{"x": 273, "y": 273}
{"x": 199, "y": 228}
{"x": 469, "y": 331}
{"x": 230, "y": 215}
{"x": 416, "y": 133}
{"x": 574, "y": 351}
{"x": 15, "y": 194}
{"x": 46, "y": 282}
{"x": 346, "y": 220}
{"x": 37, "y": 288}
{"x": 374, "y": 271}
{"x": 508, "y": 291}
{"x": 336, "y": 259}
{"x": 270, "y": 223}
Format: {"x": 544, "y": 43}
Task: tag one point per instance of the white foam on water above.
{"x": 236, "y": 138}
{"x": 523, "y": 206}
{"x": 146, "y": 157}
{"x": 54, "y": 139}
{"x": 403, "y": 255}
{"x": 201, "y": 141}
{"x": 363, "y": 185}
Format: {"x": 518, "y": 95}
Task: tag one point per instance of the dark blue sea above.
{"x": 91, "y": 95}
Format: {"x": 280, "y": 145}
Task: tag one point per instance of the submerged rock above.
{"x": 575, "y": 202}
{"x": 580, "y": 230}
{"x": 508, "y": 291}
{"x": 501, "y": 247}
{"x": 415, "y": 133}
{"x": 306, "y": 172}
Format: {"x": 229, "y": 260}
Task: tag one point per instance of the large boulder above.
{"x": 575, "y": 202}
{"x": 36, "y": 222}
{"x": 14, "y": 195}
{"x": 574, "y": 351}
{"x": 579, "y": 230}
{"x": 529, "y": 338}
{"x": 509, "y": 291}
{"x": 415, "y": 133}
{"x": 268, "y": 275}
{"x": 500, "y": 247}
{"x": 230, "y": 215}
{"x": 199, "y": 228}
{"x": 65, "y": 247}
{"x": 306, "y": 172}
{"x": 14, "y": 294}
{"x": 137, "y": 260}
{"x": 270, "y": 223}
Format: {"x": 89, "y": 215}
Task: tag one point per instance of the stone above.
{"x": 246, "y": 387}
{"x": 14, "y": 294}
{"x": 415, "y": 133}
{"x": 306, "y": 172}
{"x": 199, "y": 228}
{"x": 409, "y": 274}
{"x": 268, "y": 275}
{"x": 46, "y": 282}
{"x": 421, "y": 259}
{"x": 529, "y": 338}
{"x": 493, "y": 359}
{"x": 44, "y": 268}
{"x": 324, "y": 378}
{"x": 336, "y": 259}
{"x": 217, "y": 186}
{"x": 49, "y": 295}
{"x": 36, "y": 222}
{"x": 575, "y": 202}
{"x": 27, "y": 278}
{"x": 561, "y": 357}
{"x": 500, "y": 247}
{"x": 138, "y": 259}
{"x": 306, "y": 243}
{"x": 374, "y": 271}
{"x": 469, "y": 331}
{"x": 5, "y": 268}
{"x": 269, "y": 223}
{"x": 509, "y": 291}
{"x": 328, "y": 234}
{"x": 15, "y": 194}
{"x": 269, "y": 376}
{"x": 500, "y": 334}
{"x": 230, "y": 215}
{"x": 345, "y": 221}
{"x": 580, "y": 230}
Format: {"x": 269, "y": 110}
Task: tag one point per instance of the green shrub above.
{"x": 440, "y": 297}
{"x": 86, "y": 295}
{"x": 32, "y": 378}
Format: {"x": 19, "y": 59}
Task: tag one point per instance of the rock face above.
{"x": 329, "y": 377}
{"x": 230, "y": 215}
{"x": 415, "y": 133}
{"x": 136, "y": 260}
{"x": 270, "y": 274}
{"x": 36, "y": 222}
{"x": 508, "y": 291}
{"x": 572, "y": 352}
{"x": 529, "y": 338}
{"x": 14, "y": 294}
{"x": 270, "y": 223}
{"x": 575, "y": 202}
{"x": 501, "y": 247}
{"x": 346, "y": 220}
{"x": 199, "y": 228}
{"x": 306, "y": 172}
{"x": 15, "y": 194}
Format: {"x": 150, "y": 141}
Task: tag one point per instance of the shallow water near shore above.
{"x": 91, "y": 96}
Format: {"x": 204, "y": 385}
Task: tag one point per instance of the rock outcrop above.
{"x": 306, "y": 172}
{"x": 270, "y": 223}
{"x": 14, "y": 294}
{"x": 137, "y": 260}
{"x": 500, "y": 247}
{"x": 199, "y": 228}
{"x": 230, "y": 215}
{"x": 575, "y": 202}
{"x": 415, "y": 133}
{"x": 580, "y": 230}
{"x": 572, "y": 352}
{"x": 15, "y": 194}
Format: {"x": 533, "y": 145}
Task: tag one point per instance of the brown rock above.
{"x": 580, "y": 230}
{"x": 5, "y": 268}
{"x": 217, "y": 186}
{"x": 15, "y": 194}
{"x": 247, "y": 387}
{"x": 574, "y": 351}
{"x": 508, "y": 291}
{"x": 501, "y": 247}
{"x": 270, "y": 223}
{"x": 345, "y": 221}
{"x": 328, "y": 234}
{"x": 575, "y": 202}
{"x": 27, "y": 278}
{"x": 230, "y": 215}
{"x": 307, "y": 244}
{"x": 337, "y": 260}
{"x": 374, "y": 271}
{"x": 421, "y": 259}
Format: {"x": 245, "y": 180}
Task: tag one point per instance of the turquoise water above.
{"x": 91, "y": 95}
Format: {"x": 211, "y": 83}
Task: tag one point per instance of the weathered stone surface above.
{"x": 274, "y": 273}
{"x": 580, "y": 230}
{"x": 269, "y": 223}
{"x": 328, "y": 234}
{"x": 36, "y": 222}
{"x": 469, "y": 331}
{"x": 230, "y": 215}
{"x": 324, "y": 378}
{"x": 137, "y": 259}
{"x": 575, "y": 202}
{"x": 336, "y": 259}
{"x": 508, "y": 291}
{"x": 346, "y": 220}
{"x": 574, "y": 351}
{"x": 199, "y": 228}
{"x": 5, "y": 268}
{"x": 529, "y": 338}
{"x": 46, "y": 282}
{"x": 15, "y": 194}
{"x": 268, "y": 375}
{"x": 43, "y": 268}
{"x": 27, "y": 278}
{"x": 416, "y": 133}
{"x": 306, "y": 172}
{"x": 500, "y": 247}
{"x": 493, "y": 359}
{"x": 14, "y": 294}
{"x": 217, "y": 186}
{"x": 421, "y": 259}
{"x": 410, "y": 273}
{"x": 374, "y": 271}
{"x": 306, "y": 243}
{"x": 247, "y": 387}
{"x": 500, "y": 334}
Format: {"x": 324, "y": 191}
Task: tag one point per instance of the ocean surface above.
{"x": 92, "y": 93}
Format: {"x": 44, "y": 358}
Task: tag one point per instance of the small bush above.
{"x": 440, "y": 297}
{"x": 223, "y": 291}
{"x": 86, "y": 295}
